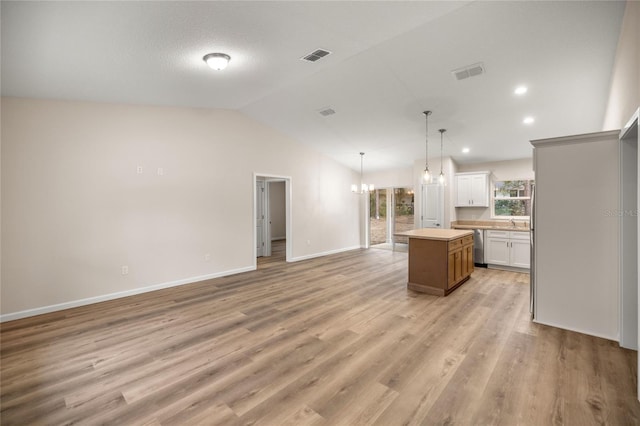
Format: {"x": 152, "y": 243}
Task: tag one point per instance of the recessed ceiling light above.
{"x": 528, "y": 120}
{"x": 217, "y": 61}
{"x": 465, "y": 150}
{"x": 520, "y": 90}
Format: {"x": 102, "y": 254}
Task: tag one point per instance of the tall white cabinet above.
{"x": 576, "y": 233}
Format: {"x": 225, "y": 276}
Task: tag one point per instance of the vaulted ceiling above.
{"x": 389, "y": 61}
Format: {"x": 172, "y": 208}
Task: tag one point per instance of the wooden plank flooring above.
{"x": 336, "y": 340}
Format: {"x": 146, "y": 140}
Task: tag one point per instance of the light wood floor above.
{"x": 329, "y": 341}
{"x": 278, "y": 255}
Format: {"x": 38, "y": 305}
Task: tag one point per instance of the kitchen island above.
{"x": 440, "y": 260}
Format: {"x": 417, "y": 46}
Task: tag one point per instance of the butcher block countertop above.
{"x": 435, "y": 234}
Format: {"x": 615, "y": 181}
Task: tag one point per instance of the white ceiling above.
{"x": 390, "y": 61}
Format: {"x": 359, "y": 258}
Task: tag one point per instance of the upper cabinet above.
{"x": 472, "y": 189}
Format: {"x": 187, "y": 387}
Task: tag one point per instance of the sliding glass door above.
{"x": 391, "y": 210}
{"x": 403, "y": 212}
{"x": 378, "y": 232}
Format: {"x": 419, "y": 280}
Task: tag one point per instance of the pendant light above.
{"x": 364, "y": 188}
{"x": 441, "y": 177}
{"x": 427, "y": 173}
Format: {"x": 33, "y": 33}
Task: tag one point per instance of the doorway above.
{"x": 391, "y": 210}
{"x": 272, "y": 219}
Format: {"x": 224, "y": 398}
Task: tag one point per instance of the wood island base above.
{"x": 440, "y": 260}
{"x": 421, "y": 288}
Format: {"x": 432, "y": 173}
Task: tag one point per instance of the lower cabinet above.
{"x": 467, "y": 258}
{"x": 460, "y": 260}
{"x": 507, "y": 248}
{"x": 520, "y": 255}
{"x": 454, "y": 264}
{"x": 496, "y": 250}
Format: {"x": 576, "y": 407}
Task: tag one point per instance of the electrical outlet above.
{"x": 308, "y": 242}
{"x": 125, "y": 270}
{"x": 207, "y": 257}
{"x": 160, "y": 171}
{"x": 139, "y": 170}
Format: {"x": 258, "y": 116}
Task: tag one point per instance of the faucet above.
{"x": 513, "y": 223}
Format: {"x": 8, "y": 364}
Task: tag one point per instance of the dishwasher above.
{"x": 478, "y": 248}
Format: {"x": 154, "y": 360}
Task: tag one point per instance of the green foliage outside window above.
{"x": 381, "y": 210}
{"x": 512, "y": 198}
{"x": 511, "y": 208}
{"x": 404, "y": 202}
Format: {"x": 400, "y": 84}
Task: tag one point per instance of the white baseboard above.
{"x": 576, "y": 330}
{"x": 118, "y": 295}
{"x": 509, "y": 268}
{"x": 324, "y": 253}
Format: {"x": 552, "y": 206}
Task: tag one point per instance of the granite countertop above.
{"x": 500, "y": 225}
{"x": 434, "y": 234}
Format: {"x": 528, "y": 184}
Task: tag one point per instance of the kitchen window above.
{"x": 512, "y": 199}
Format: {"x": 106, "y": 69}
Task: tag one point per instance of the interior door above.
{"x": 266, "y": 210}
{"x": 432, "y": 206}
{"x": 260, "y": 219}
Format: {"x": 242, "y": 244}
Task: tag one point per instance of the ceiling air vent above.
{"x": 314, "y": 56}
{"x": 327, "y": 111}
{"x": 468, "y": 71}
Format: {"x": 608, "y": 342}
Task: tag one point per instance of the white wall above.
{"x": 450, "y": 169}
{"x": 277, "y": 210}
{"x": 577, "y": 233}
{"x": 412, "y": 178}
{"x": 74, "y": 210}
{"x": 624, "y": 95}
{"x": 500, "y": 170}
{"x": 397, "y": 178}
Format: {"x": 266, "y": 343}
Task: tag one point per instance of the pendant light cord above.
{"x": 426, "y": 144}
{"x": 441, "y": 133}
{"x": 361, "y": 170}
{"x": 441, "y": 178}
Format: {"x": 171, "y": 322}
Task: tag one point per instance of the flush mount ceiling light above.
{"x": 217, "y": 61}
{"x": 364, "y": 188}
{"x": 465, "y": 150}
{"x": 520, "y": 90}
{"x": 528, "y": 120}
{"x": 427, "y": 173}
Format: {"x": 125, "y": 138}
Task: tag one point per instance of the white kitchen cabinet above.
{"x": 507, "y": 248}
{"x": 520, "y": 254}
{"x": 472, "y": 189}
{"x": 497, "y": 251}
